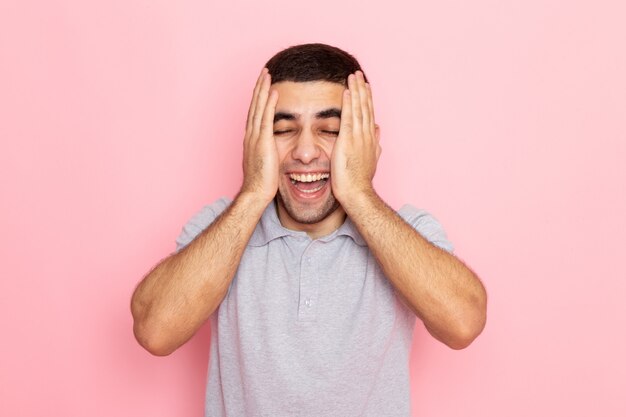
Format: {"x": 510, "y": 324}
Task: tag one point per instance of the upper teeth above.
{"x": 308, "y": 177}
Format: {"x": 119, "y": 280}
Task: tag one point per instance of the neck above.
{"x": 322, "y": 228}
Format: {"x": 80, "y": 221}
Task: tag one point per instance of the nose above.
{"x": 306, "y": 148}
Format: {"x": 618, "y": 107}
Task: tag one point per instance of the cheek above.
{"x": 328, "y": 147}
{"x": 284, "y": 149}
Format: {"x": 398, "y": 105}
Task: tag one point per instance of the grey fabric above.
{"x": 309, "y": 327}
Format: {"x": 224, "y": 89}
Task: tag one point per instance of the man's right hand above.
{"x": 260, "y": 156}
{"x": 183, "y": 290}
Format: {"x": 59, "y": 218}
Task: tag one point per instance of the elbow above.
{"x": 149, "y": 334}
{"x": 458, "y": 336}
{"x": 152, "y": 340}
{"x": 463, "y": 338}
{"x": 466, "y": 325}
{"x": 469, "y": 328}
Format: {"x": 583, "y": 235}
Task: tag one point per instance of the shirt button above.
{"x": 309, "y": 260}
{"x": 307, "y": 302}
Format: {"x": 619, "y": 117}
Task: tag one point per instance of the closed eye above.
{"x": 331, "y": 132}
{"x": 282, "y": 132}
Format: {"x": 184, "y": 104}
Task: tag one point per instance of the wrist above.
{"x": 258, "y": 193}
{"x": 357, "y": 198}
{"x": 254, "y": 202}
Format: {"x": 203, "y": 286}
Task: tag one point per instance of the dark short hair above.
{"x": 312, "y": 62}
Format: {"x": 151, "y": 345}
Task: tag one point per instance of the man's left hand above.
{"x": 357, "y": 149}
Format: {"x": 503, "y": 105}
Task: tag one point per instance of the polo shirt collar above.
{"x": 348, "y": 228}
{"x": 270, "y": 228}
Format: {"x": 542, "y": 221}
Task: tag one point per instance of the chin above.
{"x": 308, "y": 213}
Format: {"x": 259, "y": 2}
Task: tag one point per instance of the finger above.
{"x": 357, "y": 115}
{"x": 345, "y": 125}
{"x": 255, "y": 94}
{"x": 370, "y": 102}
{"x": 260, "y": 105}
{"x": 365, "y": 112}
{"x": 267, "y": 124}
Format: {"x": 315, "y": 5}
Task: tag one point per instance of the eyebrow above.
{"x": 323, "y": 114}
{"x": 328, "y": 113}
{"x": 283, "y": 116}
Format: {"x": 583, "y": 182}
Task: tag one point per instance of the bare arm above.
{"x": 446, "y": 295}
{"x": 183, "y": 290}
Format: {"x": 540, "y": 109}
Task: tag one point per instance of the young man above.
{"x": 311, "y": 282}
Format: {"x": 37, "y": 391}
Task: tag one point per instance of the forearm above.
{"x": 439, "y": 288}
{"x": 446, "y": 295}
{"x": 180, "y": 294}
{"x": 183, "y": 290}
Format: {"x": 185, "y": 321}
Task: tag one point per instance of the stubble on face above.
{"x": 310, "y": 215}
{"x": 310, "y": 103}
{"x": 306, "y": 213}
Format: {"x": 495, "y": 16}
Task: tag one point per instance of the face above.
{"x": 306, "y": 126}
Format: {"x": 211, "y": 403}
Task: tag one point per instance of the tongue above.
{"x": 309, "y": 185}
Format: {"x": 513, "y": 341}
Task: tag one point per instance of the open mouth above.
{"x": 309, "y": 183}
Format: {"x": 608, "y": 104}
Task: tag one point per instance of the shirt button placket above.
{"x": 309, "y": 282}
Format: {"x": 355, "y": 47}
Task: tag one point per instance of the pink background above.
{"x": 505, "y": 119}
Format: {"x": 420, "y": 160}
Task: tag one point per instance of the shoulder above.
{"x": 426, "y": 225}
{"x": 200, "y": 221}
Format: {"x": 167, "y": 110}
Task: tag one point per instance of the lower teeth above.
{"x": 308, "y": 191}
{"x": 312, "y": 191}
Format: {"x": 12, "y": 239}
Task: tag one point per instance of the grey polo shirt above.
{"x": 309, "y": 327}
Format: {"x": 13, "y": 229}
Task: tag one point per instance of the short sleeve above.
{"x": 200, "y": 221}
{"x": 427, "y": 226}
